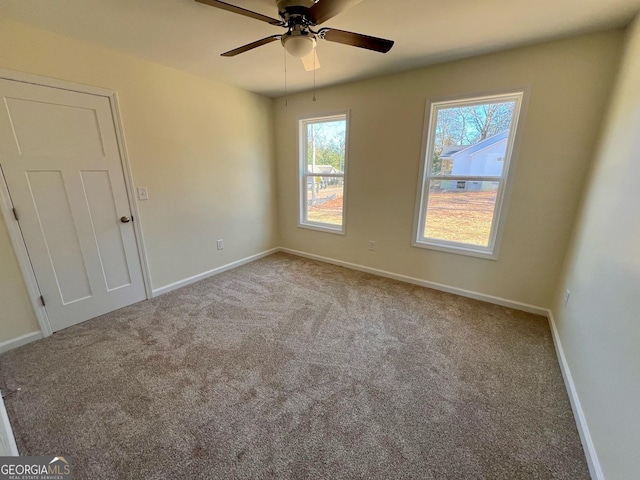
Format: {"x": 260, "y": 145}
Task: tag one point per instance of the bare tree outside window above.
{"x": 466, "y": 126}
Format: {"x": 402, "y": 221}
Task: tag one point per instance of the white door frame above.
{"x": 6, "y": 205}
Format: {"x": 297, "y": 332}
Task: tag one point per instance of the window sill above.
{"x": 322, "y": 228}
{"x": 457, "y": 249}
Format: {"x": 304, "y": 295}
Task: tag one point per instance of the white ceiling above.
{"x": 190, "y": 36}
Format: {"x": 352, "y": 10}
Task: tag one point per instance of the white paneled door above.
{"x": 61, "y": 162}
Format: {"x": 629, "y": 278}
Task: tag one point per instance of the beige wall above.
{"x": 570, "y": 80}
{"x": 204, "y": 150}
{"x": 600, "y": 326}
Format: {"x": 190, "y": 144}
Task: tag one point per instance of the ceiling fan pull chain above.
{"x": 314, "y": 78}
{"x": 286, "y": 92}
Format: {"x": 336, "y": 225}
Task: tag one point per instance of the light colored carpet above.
{"x": 289, "y": 368}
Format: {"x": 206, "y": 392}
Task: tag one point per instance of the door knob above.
{"x": 125, "y": 219}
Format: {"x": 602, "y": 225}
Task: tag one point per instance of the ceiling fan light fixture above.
{"x": 298, "y": 46}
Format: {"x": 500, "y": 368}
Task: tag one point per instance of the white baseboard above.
{"x": 424, "y": 283}
{"x": 210, "y": 273}
{"x": 374, "y": 271}
{"x": 8, "y": 446}
{"x": 581, "y": 422}
{"x": 19, "y": 341}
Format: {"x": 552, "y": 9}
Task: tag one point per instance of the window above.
{"x": 468, "y": 149}
{"x": 323, "y": 158}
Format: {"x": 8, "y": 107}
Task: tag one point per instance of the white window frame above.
{"x": 303, "y": 173}
{"x": 426, "y": 167}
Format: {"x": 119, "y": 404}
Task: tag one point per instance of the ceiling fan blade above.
{"x": 251, "y": 46}
{"x": 323, "y": 10}
{"x": 311, "y": 62}
{"x": 356, "y": 40}
{"x": 242, "y": 11}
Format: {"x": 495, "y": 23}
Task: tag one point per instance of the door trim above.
{"x": 8, "y": 445}
{"x": 6, "y": 204}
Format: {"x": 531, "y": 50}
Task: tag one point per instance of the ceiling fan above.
{"x": 299, "y": 17}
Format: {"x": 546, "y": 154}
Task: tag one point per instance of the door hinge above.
{"x": 15, "y": 214}
{"x": 42, "y": 301}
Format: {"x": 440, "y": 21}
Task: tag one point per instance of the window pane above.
{"x": 322, "y": 164}
{"x": 472, "y": 140}
{"x": 461, "y": 211}
{"x": 326, "y": 146}
{"x": 325, "y": 200}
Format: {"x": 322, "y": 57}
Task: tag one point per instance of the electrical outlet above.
{"x": 372, "y": 245}
{"x": 567, "y": 294}
{"x": 220, "y": 244}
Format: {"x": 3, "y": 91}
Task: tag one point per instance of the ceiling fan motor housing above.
{"x": 284, "y": 4}
{"x": 295, "y": 12}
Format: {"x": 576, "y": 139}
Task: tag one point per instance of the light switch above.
{"x": 142, "y": 193}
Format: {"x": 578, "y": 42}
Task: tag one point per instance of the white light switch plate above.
{"x": 142, "y": 193}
